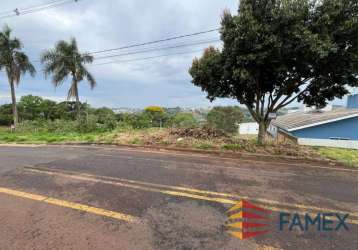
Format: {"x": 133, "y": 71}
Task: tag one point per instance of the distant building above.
{"x": 336, "y": 128}
{"x": 248, "y": 128}
{"x": 126, "y": 110}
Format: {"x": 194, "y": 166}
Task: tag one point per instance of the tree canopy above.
{"x": 276, "y": 52}
{"x": 64, "y": 61}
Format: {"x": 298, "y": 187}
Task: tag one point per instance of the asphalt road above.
{"x": 67, "y": 197}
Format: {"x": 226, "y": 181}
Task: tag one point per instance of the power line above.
{"x": 35, "y": 8}
{"x": 151, "y": 42}
{"x": 31, "y": 7}
{"x": 146, "y": 58}
{"x": 157, "y": 49}
{"x": 156, "y": 41}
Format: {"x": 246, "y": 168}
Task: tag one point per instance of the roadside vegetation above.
{"x": 347, "y": 156}
{"x": 45, "y": 121}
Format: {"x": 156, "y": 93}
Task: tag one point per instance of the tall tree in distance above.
{"x": 64, "y": 61}
{"x": 276, "y": 52}
{"x": 15, "y": 63}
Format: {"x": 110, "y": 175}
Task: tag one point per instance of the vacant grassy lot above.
{"x": 347, "y": 156}
{"x": 170, "y": 138}
{"x": 160, "y": 137}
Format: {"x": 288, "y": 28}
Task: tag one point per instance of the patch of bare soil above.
{"x": 199, "y": 133}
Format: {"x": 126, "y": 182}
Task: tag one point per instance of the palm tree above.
{"x": 15, "y": 63}
{"x": 66, "y": 61}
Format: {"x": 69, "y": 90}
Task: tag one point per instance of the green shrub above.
{"x": 225, "y": 118}
{"x": 232, "y": 147}
{"x": 183, "y": 120}
{"x": 204, "y": 146}
{"x": 137, "y": 121}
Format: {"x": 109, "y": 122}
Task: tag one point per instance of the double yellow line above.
{"x": 185, "y": 192}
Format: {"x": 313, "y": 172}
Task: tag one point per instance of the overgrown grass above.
{"x": 346, "y": 156}
{"x": 41, "y": 137}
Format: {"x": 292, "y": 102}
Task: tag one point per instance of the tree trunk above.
{"x": 13, "y": 99}
{"x": 262, "y": 132}
{"x": 78, "y": 111}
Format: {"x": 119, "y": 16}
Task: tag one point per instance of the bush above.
{"x": 183, "y": 120}
{"x": 87, "y": 124}
{"x": 225, "y": 118}
{"x": 6, "y": 120}
{"x": 137, "y": 121}
{"x": 157, "y": 114}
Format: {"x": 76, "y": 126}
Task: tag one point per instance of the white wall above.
{"x": 328, "y": 143}
{"x": 248, "y": 128}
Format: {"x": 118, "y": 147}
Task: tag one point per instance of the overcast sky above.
{"x": 99, "y": 25}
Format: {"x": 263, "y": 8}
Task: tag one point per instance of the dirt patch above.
{"x": 198, "y": 133}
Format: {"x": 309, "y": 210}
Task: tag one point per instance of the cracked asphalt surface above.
{"x": 180, "y": 200}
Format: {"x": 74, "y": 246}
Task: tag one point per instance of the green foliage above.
{"x": 347, "y": 156}
{"x": 65, "y": 111}
{"x": 182, "y": 120}
{"x": 104, "y": 114}
{"x": 86, "y": 124}
{"x": 43, "y": 115}
{"x": 232, "y": 147}
{"x": 204, "y": 146}
{"x": 157, "y": 114}
{"x": 6, "y": 118}
{"x": 225, "y": 118}
{"x": 136, "y": 121}
{"x": 276, "y": 52}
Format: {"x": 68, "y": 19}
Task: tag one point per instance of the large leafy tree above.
{"x": 64, "y": 61}
{"x": 276, "y": 52}
{"x": 15, "y": 63}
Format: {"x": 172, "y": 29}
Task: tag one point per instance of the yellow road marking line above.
{"x": 68, "y": 204}
{"x": 144, "y": 188}
{"x": 149, "y": 187}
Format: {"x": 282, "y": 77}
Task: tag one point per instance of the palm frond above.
{"x": 89, "y": 77}
{"x": 64, "y": 61}
{"x": 12, "y": 58}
